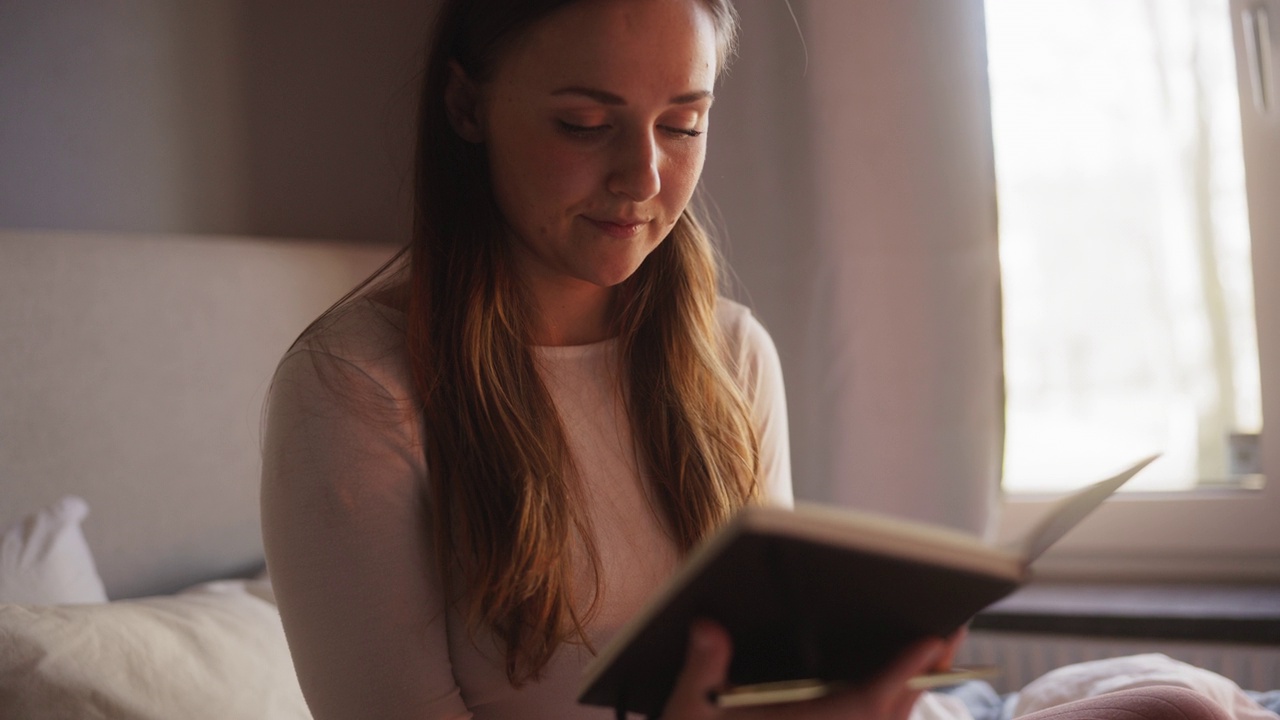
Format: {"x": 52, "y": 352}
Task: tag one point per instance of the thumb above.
{"x": 920, "y": 658}
{"x": 706, "y": 669}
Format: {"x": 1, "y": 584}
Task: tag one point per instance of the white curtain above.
{"x": 852, "y": 171}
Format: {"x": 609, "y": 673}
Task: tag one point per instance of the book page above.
{"x": 1069, "y": 511}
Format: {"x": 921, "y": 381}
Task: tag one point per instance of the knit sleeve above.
{"x": 348, "y": 544}
{"x": 759, "y": 374}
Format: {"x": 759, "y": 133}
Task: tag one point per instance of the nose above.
{"x": 635, "y": 173}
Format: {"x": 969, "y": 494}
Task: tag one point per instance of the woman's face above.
{"x": 594, "y": 123}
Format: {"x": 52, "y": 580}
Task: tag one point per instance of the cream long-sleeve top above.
{"x": 349, "y": 546}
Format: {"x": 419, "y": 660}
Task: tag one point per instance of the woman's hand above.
{"x": 885, "y": 697}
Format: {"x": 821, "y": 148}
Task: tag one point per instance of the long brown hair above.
{"x": 504, "y": 501}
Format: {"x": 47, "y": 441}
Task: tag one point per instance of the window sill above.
{"x": 1236, "y": 613}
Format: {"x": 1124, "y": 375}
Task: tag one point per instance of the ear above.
{"x": 462, "y": 102}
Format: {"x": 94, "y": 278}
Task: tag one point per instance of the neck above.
{"x": 572, "y": 314}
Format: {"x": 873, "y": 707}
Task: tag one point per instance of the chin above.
{"x": 613, "y": 279}
{"x": 614, "y": 273}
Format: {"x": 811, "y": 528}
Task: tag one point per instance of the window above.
{"x": 1130, "y": 241}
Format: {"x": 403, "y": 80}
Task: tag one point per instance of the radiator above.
{"x": 1025, "y": 657}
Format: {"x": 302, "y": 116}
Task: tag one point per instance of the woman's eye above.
{"x": 582, "y": 130}
{"x": 684, "y": 132}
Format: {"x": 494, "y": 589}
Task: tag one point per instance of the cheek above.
{"x": 681, "y": 179}
{"x": 539, "y": 182}
{"x": 569, "y": 177}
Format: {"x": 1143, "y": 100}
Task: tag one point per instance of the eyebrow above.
{"x": 607, "y": 98}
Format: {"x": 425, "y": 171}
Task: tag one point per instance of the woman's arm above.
{"x": 759, "y": 374}
{"x": 348, "y": 546}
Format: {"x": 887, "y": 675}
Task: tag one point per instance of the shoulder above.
{"x": 360, "y": 343}
{"x": 341, "y": 419}
{"x": 734, "y": 317}
{"x": 757, "y": 369}
{"x": 748, "y": 344}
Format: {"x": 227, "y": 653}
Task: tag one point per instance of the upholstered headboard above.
{"x": 132, "y": 373}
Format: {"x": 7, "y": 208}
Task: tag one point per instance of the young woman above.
{"x": 478, "y": 468}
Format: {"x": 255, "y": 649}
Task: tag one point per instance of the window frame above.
{"x": 1203, "y": 534}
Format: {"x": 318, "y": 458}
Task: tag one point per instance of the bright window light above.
{"x": 1124, "y": 243}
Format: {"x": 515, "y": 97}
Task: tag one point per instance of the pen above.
{"x": 810, "y": 689}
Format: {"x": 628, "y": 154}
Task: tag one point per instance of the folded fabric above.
{"x": 215, "y": 652}
{"x": 1097, "y": 677}
{"x": 1269, "y": 699}
{"x": 940, "y": 706}
{"x": 45, "y": 560}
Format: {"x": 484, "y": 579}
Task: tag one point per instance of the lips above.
{"x": 618, "y": 227}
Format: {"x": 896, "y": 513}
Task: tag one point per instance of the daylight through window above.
{"x": 1124, "y": 243}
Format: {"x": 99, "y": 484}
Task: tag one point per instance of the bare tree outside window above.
{"x": 1125, "y": 254}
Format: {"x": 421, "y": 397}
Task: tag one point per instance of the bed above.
{"x": 132, "y": 375}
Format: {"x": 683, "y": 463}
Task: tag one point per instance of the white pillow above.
{"x": 44, "y": 559}
{"x": 216, "y": 651}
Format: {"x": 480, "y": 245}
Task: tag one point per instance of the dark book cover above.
{"x": 818, "y": 594}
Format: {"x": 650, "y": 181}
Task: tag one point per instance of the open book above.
{"x": 819, "y": 595}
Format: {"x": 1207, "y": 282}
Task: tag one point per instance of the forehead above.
{"x": 608, "y": 43}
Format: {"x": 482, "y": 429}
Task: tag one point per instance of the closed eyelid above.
{"x": 683, "y": 117}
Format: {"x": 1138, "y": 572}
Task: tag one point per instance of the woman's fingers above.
{"x": 951, "y": 647}
{"x": 918, "y": 659}
{"x": 884, "y": 697}
{"x": 706, "y": 667}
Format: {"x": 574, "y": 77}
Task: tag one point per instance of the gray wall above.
{"x": 849, "y": 159}
{"x": 287, "y": 117}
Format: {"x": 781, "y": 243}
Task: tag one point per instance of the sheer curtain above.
{"x": 851, "y": 168}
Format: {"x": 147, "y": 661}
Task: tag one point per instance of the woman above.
{"x": 481, "y": 466}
